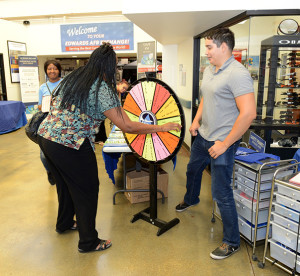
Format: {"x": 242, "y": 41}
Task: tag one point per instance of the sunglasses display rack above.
{"x": 278, "y": 96}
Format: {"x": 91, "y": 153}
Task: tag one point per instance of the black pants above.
{"x": 77, "y": 184}
{"x": 101, "y": 135}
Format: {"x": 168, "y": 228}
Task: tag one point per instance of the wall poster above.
{"x": 15, "y": 49}
{"x": 146, "y": 58}
{"x": 29, "y": 78}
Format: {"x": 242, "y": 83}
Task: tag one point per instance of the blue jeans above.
{"x": 221, "y": 174}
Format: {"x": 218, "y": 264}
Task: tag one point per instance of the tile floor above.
{"x": 30, "y": 245}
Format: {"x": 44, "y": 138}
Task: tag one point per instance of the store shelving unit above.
{"x": 278, "y": 98}
{"x": 284, "y": 213}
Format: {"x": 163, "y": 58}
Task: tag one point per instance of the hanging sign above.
{"x": 146, "y": 57}
{"x": 29, "y": 78}
{"x": 237, "y": 55}
{"x": 88, "y": 37}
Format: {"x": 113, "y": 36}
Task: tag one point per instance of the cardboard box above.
{"x": 141, "y": 180}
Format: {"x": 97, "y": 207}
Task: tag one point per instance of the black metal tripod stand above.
{"x": 150, "y": 213}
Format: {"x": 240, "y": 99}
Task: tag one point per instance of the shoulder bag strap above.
{"x": 53, "y": 89}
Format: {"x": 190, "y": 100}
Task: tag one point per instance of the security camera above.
{"x": 26, "y": 22}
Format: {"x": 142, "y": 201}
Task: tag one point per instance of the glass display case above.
{"x": 268, "y": 61}
{"x": 278, "y": 96}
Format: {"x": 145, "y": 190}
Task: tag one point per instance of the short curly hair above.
{"x": 55, "y": 63}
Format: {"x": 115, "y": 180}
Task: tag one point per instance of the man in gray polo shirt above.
{"x": 225, "y": 112}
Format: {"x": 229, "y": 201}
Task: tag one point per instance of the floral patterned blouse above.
{"x": 70, "y": 127}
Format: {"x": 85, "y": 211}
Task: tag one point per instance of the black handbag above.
{"x": 33, "y": 125}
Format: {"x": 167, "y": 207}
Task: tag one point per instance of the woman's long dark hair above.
{"x": 76, "y": 86}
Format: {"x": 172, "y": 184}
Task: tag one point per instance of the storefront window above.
{"x": 261, "y": 28}
{"x": 248, "y": 37}
{"x": 272, "y": 56}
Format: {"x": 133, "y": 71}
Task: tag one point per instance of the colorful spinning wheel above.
{"x": 151, "y": 101}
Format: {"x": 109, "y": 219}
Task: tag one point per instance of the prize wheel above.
{"x": 151, "y": 101}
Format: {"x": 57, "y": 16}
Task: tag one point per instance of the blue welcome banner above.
{"x": 88, "y": 37}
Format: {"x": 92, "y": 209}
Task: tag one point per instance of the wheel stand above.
{"x": 150, "y": 213}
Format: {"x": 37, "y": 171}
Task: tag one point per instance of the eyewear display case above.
{"x": 278, "y": 98}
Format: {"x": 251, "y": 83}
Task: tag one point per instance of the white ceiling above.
{"x": 165, "y": 27}
{"x": 167, "y": 21}
{"x": 175, "y": 27}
